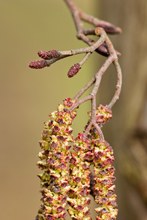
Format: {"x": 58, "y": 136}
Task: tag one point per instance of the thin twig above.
{"x": 81, "y": 101}
{"x": 101, "y": 136}
{"x": 85, "y": 59}
{"x": 109, "y": 28}
{"x": 85, "y": 88}
{"x": 118, "y": 85}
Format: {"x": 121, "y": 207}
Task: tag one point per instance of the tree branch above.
{"x": 90, "y": 146}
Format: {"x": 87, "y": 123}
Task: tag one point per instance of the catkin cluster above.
{"x": 75, "y": 168}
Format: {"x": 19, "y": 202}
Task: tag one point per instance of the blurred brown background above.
{"x": 127, "y": 131}
{"x": 27, "y": 96}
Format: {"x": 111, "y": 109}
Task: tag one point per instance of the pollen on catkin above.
{"x": 104, "y": 188}
{"x": 78, "y": 195}
{"x": 54, "y": 162}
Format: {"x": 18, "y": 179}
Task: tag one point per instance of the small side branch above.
{"x": 79, "y": 17}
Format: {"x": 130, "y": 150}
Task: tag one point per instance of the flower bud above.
{"x": 38, "y": 64}
{"x": 74, "y": 70}
{"x": 47, "y": 55}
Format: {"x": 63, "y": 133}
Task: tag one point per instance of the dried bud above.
{"x": 112, "y": 29}
{"x": 74, "y": 70}
{"x": 47, "y": 55}
{"x": 38, "y": 64}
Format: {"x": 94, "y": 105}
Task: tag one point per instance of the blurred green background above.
{"x": 27, "y": 96}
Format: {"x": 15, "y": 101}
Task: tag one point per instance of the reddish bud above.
{"x": 74, "y": 70}
{"x": 47, "y": 55}
{"x": 38, "y": 64}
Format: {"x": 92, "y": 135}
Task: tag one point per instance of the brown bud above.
{"x": 38, "y": 64}
{"x": 103, "y": 50}
{"x": 74, "y": 70}
{"x": 47, "y": 55}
